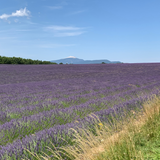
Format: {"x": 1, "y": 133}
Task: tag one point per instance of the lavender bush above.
{"x": 39, "y": 104}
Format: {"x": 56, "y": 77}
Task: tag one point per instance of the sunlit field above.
{"x": 39, "y": 104}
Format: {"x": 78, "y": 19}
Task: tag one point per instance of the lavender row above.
{"x": 31, "y": 98}
{"x": 48, "y": 84}
{"x": 62, "y": 103}
{"x": 42, "y": 73}
{"x": 29, "y": 125}
{"x": 39, "y": 140}
{"x": 54, "y": 88}
{"x": 49, "y": 96}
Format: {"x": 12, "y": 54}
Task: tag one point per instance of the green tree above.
{"x": 19, "y": 60}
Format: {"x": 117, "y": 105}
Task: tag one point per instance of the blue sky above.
{"x": 117, "y": 30}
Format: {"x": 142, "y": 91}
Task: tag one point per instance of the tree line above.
{"x": 18, "y": 60}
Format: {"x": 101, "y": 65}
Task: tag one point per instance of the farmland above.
{"x": 40, "y": 103}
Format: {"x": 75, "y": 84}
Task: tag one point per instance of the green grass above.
{"x": 141, "y": 142}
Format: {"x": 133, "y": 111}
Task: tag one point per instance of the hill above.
{"x": 74, "y": 60}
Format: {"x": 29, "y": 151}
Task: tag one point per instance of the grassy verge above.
{"x": 134, "y": 137}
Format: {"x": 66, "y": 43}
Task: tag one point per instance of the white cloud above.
{"x": 4, "y": 16}
{"x": 63, "y": 31}
{"x": 18, "y": 13}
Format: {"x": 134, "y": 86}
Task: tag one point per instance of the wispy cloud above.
{"x": 23, "y": 30}
{"x": 63, "y": 31}
{"x": 77, "y": 12}
{"x": 7, "y": 38}
{"x": 62, "y": 28}
{"x": 18, "y": 13}
{"x": 29, "y": 22}
{"x": 55, "y": 45}
{"x": 66, "y": 34}
{"x": 15, "y": 30}
{"x": 54, "y": 7}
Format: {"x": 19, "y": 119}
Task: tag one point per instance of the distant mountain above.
{"x": 74, "y": 60}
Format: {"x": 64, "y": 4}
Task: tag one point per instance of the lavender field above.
{"x": 40, "y": 103}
